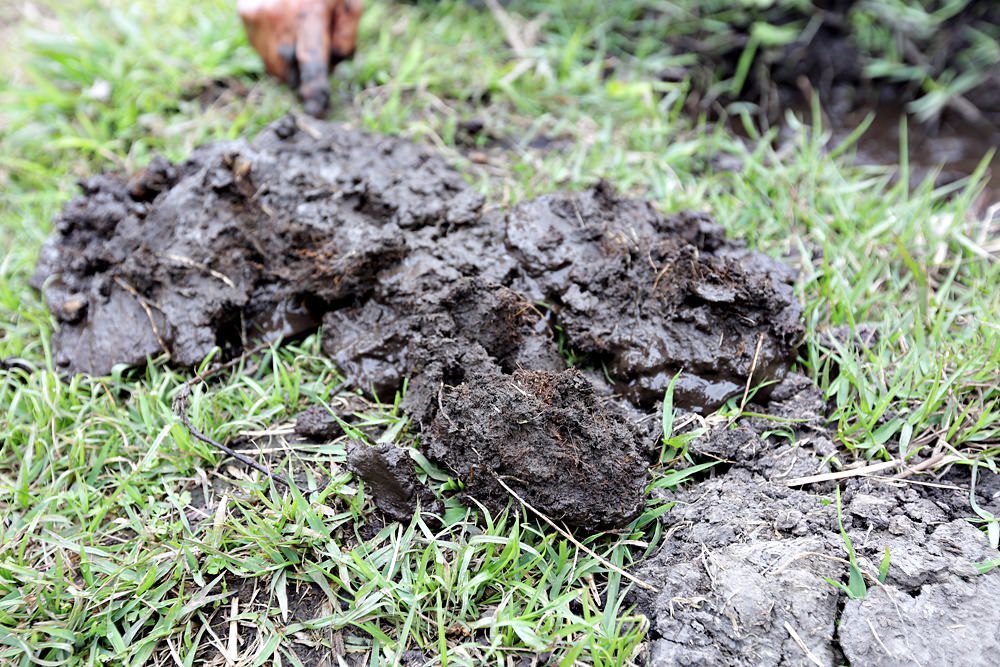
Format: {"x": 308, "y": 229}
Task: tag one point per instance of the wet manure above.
{"x": 414, "y": 280}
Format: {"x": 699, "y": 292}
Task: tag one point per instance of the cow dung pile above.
{"x": 413, "y": 279}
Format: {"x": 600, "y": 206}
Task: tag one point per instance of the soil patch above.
{"x": 305, "y": 602}
{"x": 391, "y": 479}
{"x": 853, "y": 52}
{"x": 939, "y": 67}
{"x": 744, "y": 570}
{"x": 646, "y": 297}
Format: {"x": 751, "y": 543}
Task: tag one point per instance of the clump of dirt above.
{"x": 944, "y": 623}
{"x": 745, "y": 559}
{"x": 546, "y": 437}
{"x": 744, "y": 573}
{"x": 392, "y": 479}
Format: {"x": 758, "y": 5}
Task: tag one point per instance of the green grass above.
{"x": 937, "y": 55}
{"x": 124, "y": 539}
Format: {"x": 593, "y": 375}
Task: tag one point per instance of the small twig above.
{"x": 869, "y": 470}
{"x": 307, "y": 127}
{"x": 513, "y": 34}
{"x": 602, "y": 560}
{"x": 233, "y": 648}
{"x": 181, "y": 404}
{"x": 753, "y": 369}
{"x": 660, "y": 274}
{"x": 441, "y": 405}
{"x": 149, "y": 313}
{"x": 939, "y": 458}
{"x": 182, "y": 400}
{"x": 802, "y": 645}
{"x": 15, "y": 364}
{"x": 235, "y": 361}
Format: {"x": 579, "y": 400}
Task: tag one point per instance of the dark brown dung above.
{"x": 389, "y": 247}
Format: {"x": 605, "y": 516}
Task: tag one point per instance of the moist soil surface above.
{"x": 854, "y": 53}
{"x": 860, "y": 58}
{"x": 416, "y": 279}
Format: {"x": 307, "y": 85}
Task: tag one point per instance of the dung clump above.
{"x": 546, "y": 437}
{"x": 244, "y": 240}
{"x": 248, "y": 241}
{"x": 392, "y": 480}
{"x": 649, "y": 297}
{"x": 417, "y": 285}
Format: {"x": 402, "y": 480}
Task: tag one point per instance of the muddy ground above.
{"x": 860, "y": 58}
{"x": 854, "y": 53}
{"x": 415, "y": 278}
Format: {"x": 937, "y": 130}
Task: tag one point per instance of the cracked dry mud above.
{"x": 743, "y": 571}
{"x": 414, "y": 279}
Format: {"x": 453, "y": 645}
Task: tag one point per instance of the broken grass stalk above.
{"x": 868, "y": 470}
{"x": 181, "y": 405}
{"x": 590, "y": 552}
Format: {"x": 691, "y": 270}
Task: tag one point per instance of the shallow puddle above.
{"x": 947, "y": 152}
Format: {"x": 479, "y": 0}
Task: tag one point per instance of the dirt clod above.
{"x": 745, "y": 559}
{"x": 437, "y": 337}
{"x": 943, "y": 624}
{"x": 392, "y": 480}
{"x": 317, "y": 424}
